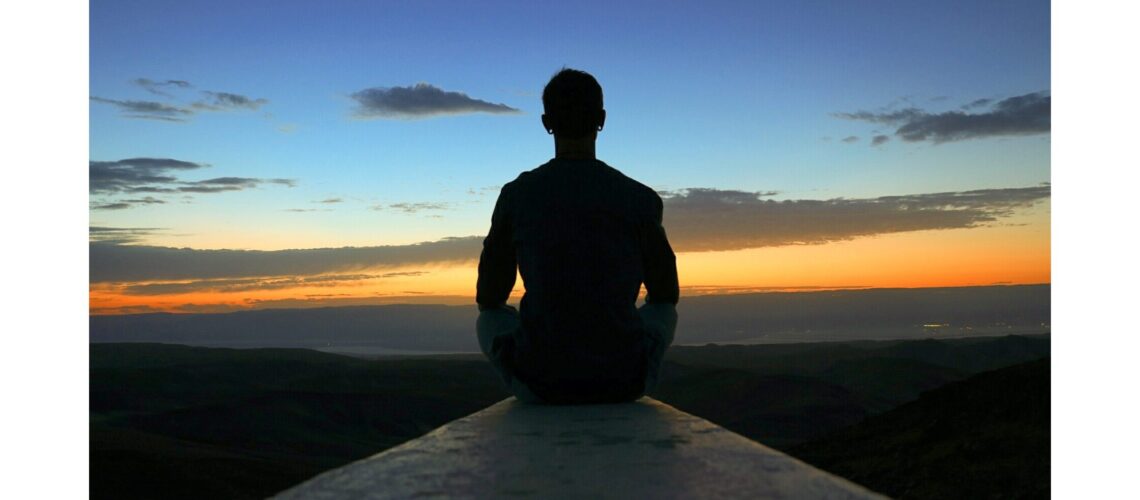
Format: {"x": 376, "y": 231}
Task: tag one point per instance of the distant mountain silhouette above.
{"x": 767, "y": 317}
{"x": 983, "y": 437}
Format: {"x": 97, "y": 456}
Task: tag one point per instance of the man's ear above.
{"x": 546, "y": 124}
{"x": 602, "y": 120}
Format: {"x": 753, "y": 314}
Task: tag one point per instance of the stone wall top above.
{"x": 645, "y": 449}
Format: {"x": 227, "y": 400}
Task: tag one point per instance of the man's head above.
{"x": 572, "y": 101}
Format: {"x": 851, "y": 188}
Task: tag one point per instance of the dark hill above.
{"x": 171, "y": 421}
{"x": 983, "y": 437}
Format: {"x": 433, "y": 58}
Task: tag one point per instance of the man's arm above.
{"x": 659, "y": 262}
{"x": 497, "y": 266}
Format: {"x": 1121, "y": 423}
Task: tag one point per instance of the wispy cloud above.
{"x": 156, "y": 87}
{"x": 422, "y": 100}
{"x": 329, "y": 200}
{"x": 223, "y": 184}
{"x": 851, "y": 139}
{"x": 124, "y": 204}
{"x": 223, "y": 101}
{"x": 110, "y": 206}
{"x": 1021, "y": 115}
{"x": 148, "y": 109}
{"x": 712, "y": 219}
{"x": 977, "y": 103}
{"x": 152, "y": 175}
{"x": 158, "y": 176}
{"x": 131, "y": 174}
{"x": 174, "y": 111}
{"x": 233, "y": 285}
{"x": 413, "y": 207}
{"x": 880, "y": 139}
{"x": 120, "y": 235}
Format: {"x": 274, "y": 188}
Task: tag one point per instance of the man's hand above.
{"x": 507, "y": 307}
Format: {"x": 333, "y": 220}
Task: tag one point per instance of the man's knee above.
{"x": 661, "y": 319}
{"x": 492, "y": 323}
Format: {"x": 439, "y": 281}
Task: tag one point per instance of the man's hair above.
{"x": 572, "y": 101}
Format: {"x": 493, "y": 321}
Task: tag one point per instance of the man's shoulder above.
{"x": 549, "y": 172}
{"x": 528, "y": 175}
{"x": 633, "y": 184}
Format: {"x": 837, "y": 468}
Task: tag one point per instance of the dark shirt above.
{"x": 584, "y": 237}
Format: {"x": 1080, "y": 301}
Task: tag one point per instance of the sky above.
{"x": 53, "y": 65}
{"x": 294, "y": 154}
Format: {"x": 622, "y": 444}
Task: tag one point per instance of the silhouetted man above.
{"x": 584, "y": 237}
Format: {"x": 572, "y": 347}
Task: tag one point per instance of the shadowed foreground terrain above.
{"x": 174, "y": 421}
{"x": 983, "y": 437}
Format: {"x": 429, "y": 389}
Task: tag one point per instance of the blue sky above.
{"x": 736, "y": 95}
{"x": 870, "y": 132}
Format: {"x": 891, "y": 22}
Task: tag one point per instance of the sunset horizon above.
{"x": 298, "y": 156}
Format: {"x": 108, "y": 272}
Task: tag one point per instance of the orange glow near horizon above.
{"x": 1016, "y": 253}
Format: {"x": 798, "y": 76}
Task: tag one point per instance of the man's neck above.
{"x": 575, "y": 149}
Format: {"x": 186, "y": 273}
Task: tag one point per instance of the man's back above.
{"x": 584, "y": 237}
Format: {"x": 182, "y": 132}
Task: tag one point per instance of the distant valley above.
{"x": 756, "y": 318}
{"x": 176, "y": 421}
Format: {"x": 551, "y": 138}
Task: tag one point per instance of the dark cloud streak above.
{"x": 133, "y": 174}
{"x": 699, "y": 220}
{"x": 111, "y": 262}
{"x": 154, "y": 87}
{"x": 120, "y": 235}
{"x": 156, "y": 175}
{"x": 173, "y": 111}
{"x": 420, "y": 101}
{"x": 223, "y": 101}
{"x": 147, "y": 109}
{"x": 1021, "y": 115}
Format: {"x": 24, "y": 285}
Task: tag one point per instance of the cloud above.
{"x": 484, "y": 191}
{"x": 420, "y": 101}
{"x": 120, "y": 235}
{"x": 131, "y": 174}
{"x": 329, "y": 200}
{"x": 155, "y": 87}
{"x": 223, "y": 184}
{"x": 1021, "y": 115}
{"x": 124, "y": 204}
{"x": 113, "y": 261}
{"x": 157, "y": 176}
{"x": 880, "y": 139}
{"x": 413, "y": 208}
{"x": 149, "y": 200}
{"x": 977, "y": 104}
{"x": 850, "y": 139}
{"x": 111, "y": 206}
{"x": 223, "y": 101}
{"x": 148, "y": 109}
{"x": 232, "y": 285}
{"x": 700, "y": 220}
{"x": 696, "y": 220}
{"x": 177, "y": 112}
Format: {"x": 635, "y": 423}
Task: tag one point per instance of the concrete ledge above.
{"x": 645, "y": 449}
